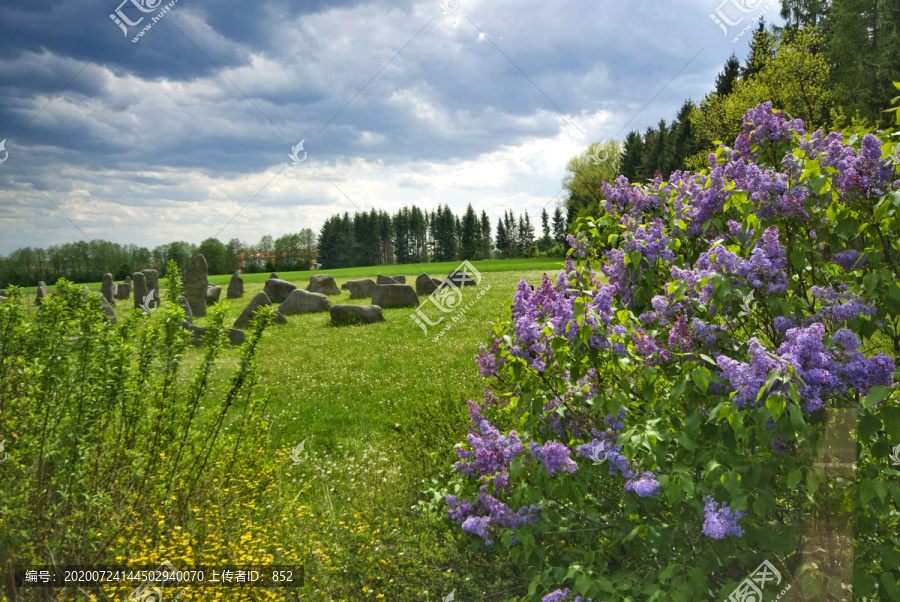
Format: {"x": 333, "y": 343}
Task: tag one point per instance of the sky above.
{"x": 150, "y": 121}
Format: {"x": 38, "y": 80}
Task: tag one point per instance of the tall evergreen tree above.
{"x": 502, "y": 237}
{"x": 762, "y": 51}
{"x": 633, "y": 157}
{"x": 728, "y": 76}
{"x": 486, "y": 242}
{"x": 526, "y": 236}
{"x": 559, "y": 226}
{"x": 471, "y": 231}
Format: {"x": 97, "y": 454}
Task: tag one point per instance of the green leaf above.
{"x": 871, "y": 281}
{"x": 866, "y": 491}
{"x": 819, "y": 183}
{"x": 889, "y": 580}
{"x": 876, "y": 394}
{"x": 583, "y": 584}
{"x": 701, "y": 378}
{"x": 776, "y": 404}
{"x": 794, "y": 477}
{"x": 685, "y": 441}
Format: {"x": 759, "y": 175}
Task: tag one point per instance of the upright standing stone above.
{"x": 152, "y": 279}
{"x": 140, "y": 290}
{"x": 188, "y": 316}
{"x": 41, "y": 293}
{"x": 108, "y": 314}
{"x": 273, "y": 275}
{"x": 106, "y": 289}
{"x": 123, "y": 291}
{"x": 195, "y": 285}
{"x": 235, "y": 287}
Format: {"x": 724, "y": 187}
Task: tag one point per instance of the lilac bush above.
{"x": 664, "y": 394}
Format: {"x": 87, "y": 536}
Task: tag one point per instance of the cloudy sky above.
{"x": 186, "y": 132}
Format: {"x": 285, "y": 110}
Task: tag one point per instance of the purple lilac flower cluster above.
{"x": 579, "y": 247}
{"x": 563, "y": 595}
{"x": 824, "y": 372}
{"x": 839, "y": 305}
{"x": 626, "y": 198}
{"x": 720, "y": 521}
{"x": 491, "y": 452}
{"x": 498, "y": 516}
{"x": 650, "y": 240}
{"x": 554, "y": 456}
{"x": 644, "y": 486}
{"x": 851, "y": 259}
{"x": 764, "y": 127}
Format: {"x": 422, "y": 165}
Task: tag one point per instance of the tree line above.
{"x": 412, "y": 235}
{"x": 832, "y": 66}
{"x": 367, "y": 238}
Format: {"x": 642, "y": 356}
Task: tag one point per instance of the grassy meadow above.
{"x": 379, "y": 409}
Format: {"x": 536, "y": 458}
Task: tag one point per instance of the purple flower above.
{"x": 851, "y": 259}
{"x": 554, "y": 456}
{"x": 720, "y": 521}
{"x": 491, "y": 453}
{"x": 645, "y": 486}
{"x": 579, "y": 247}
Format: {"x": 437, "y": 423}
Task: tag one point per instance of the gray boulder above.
{"x": 301, "y": 302}
{"x": 425, "y": 284}
{"x": 356, "y": 314}
{"x": 382, "y": 279}
{"x": 395, "y": 295}
{"x": 235, "y": 287}
{"x": 108, "y": 314}
{"x": 273, "y": 275}
{"x": 41, "y": 293}
{"x": 278, "y": 290}
{"x": 400, "y": 278}
{"x": 258, "y": 300}
{"x": 107, "y": 289}
{"x": 213, "y": 291}
{"x": 152, "y": 279}
{"x": 323, "y": 283}
{"x": 235, "y": 336}
{"x": 461, "y": 278}
{"x": 195, "y": 285}
{"x": 360, "y": 289}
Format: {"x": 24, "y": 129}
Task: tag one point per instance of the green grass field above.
{"x": 380, "y": 408}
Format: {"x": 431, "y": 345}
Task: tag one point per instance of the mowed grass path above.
{"x": 352, "y": 385}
